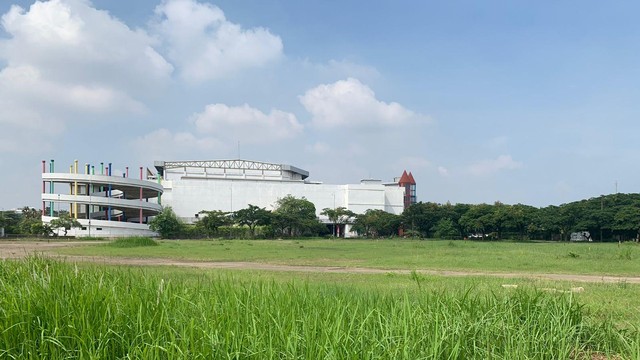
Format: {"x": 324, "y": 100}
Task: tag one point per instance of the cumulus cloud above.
{"x": 67, "y": 61}
{"x": 164, "y": 144}
{"x": 349, "y": 103}
{"x": 70, "y": 41}
{"x": 205, "y": 45}
{"x": 491, "y": 166}
{"x": 246, "y": 123}
{"x": 217, "y": 129}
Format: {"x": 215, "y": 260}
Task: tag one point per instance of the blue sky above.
{"x": 519, "y": 102}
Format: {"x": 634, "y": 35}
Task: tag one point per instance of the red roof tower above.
{"x": 409, "y": 184}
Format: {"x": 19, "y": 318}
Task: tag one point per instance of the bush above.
{"x": 134, "y": 241}
{"x": 167, "y": 224}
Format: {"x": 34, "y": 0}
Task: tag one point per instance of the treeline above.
{"x": 613, "y": 217}
{"x": 27, "y": 222}
{"x": 605, "y": 218}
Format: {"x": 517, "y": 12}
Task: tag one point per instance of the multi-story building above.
{"x": 192, "y": 186}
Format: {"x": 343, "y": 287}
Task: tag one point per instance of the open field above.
{"x": 246, "y": 312}
{"x": 513, "y": 257}
{"x": 52, "y": 309}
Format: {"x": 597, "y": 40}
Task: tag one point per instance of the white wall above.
{"x": 103, "y": 228}
{"x": 188, "y": 196}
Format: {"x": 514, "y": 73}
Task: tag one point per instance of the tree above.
{"x": 445, "y": 229}
{"x": 338, "y": 216}
{"x": 520, "y": 218}
{"x": 478, "y": 219}
{"x": 167, "y": 224}
{"x": 500, "y": 217}
{"x": 42, "y": 229}
{"x": 63, "y": 222}
{"x": 375, "y": 223}
{"x": 294, "y": 216}
{"x": 252, "y": 216}
{"x": 627, "y": 221}
{"x": 212, "y": 220}
{"x": 422, "y": 217}
{"x": 10, "y": 221}
{"x": 29, "y": 218}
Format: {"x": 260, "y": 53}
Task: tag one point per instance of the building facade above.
{"x": 105, "y": 205}
{"x": 230, "y": 185}
{"x": 108, "y": 205}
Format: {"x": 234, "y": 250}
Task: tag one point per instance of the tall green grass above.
{"x": 54, "y": 310}
{"x": 133, "y": 241}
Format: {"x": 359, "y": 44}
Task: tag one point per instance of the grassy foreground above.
{"x": 533, "y": 257}
{"x": 55, "y": 310}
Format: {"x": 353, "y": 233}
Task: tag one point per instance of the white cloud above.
{"x": 491, "y": 166}
{"x": 164, "y": 144}
{"x": 67, "y": 61}
{"x": 349, "y": 103}
{"x": 246, "y": 124}
{"x": 443, "y": 171}
{"x": 70, "y": 41}
{"x": 205, "y": 45}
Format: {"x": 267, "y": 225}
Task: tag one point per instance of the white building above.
{"x": 111, "y": 205}
{"x": 230, "y": 185}
{"x": 105, "y": 204}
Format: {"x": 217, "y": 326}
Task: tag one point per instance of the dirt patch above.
{"x": 21, "y": 249}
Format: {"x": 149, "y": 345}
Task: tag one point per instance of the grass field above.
{"x": 50, "y": 309}
{"x": 55, "y": 310}
{"x": 531, "y": 257}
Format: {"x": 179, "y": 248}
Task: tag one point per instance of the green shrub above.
{"x": 134, "y": 241}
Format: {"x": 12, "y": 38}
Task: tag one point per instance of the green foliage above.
{"x": 133, "y": 241}
{"x": 209, "y": 221}
{"x": 41, "y": 229}
{"x": 338, "y": 217}
{"x": 611, "y": 217}
{"x": 296, "y": 217}
{"x": 376, "y": 223}
{"x": 57, "y": 310}
{"x": 252, "y": 216}
{"x": 167, "y": 224}
{"x": 445, "y": 229}
{"x": 64, "y": 222}
{"x": 30, "y": 218}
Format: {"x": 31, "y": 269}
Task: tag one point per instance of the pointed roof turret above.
{"x": 404, "y": 179}
{"x": 412, "y": 181}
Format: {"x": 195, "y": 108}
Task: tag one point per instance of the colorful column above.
{"x": 43, "y": 186}
{"x": 51, "y": 170}
{"x": 75, "y": 190}
{"x": 140, "y": 217}
{"x": 109, "y": 194}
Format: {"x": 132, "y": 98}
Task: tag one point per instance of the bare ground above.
{"x": 20, "y": 249}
